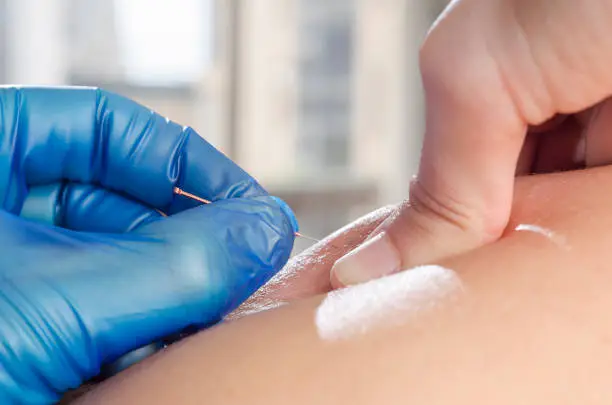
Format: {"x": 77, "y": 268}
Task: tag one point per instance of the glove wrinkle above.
{"x": 103, "y": 123}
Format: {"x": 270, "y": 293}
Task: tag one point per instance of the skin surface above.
{"x": 526, "y": 321}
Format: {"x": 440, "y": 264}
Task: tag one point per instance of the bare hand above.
{"x": 495, "y": 71}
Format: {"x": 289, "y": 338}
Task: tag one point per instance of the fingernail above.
{"x": 130, "y": 359}
{"x": 383, "y": 225}
{"x": 41, "y": 204}
{"x": 288, "y": 212}
{"x": 375, "y": 258}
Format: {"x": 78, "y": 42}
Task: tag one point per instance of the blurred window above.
{"x": 141, "y": 42}
{"x": 326, "y": 47}
{"x": 3, "y": 36}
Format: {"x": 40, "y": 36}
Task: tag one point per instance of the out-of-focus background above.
{"x": 319, "y": 99}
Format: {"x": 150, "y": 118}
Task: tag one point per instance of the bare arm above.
{"x": 524, "y": 320}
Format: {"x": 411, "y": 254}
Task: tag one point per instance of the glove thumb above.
{"x": 202, "y": 264}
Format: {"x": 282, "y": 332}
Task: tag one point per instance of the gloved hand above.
{"x": 111, "y": 274}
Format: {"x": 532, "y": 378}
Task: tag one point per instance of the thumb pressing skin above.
{"x": 237, "y": 244}
{"x": 418, "y": 231}
{"x": 473, "y": 138}
{"x": 491, "y": 69}
{"x": 187, "y": 270}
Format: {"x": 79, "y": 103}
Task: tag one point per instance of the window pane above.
{"x": 170, "y": 41}
{"x": 139, "y": 42}
{"x": 326, "y": 40}
{"x": 3, "y": 39}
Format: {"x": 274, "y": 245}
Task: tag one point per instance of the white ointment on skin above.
{"x": 547, "y": 233}
{"x": 385, "y": 302}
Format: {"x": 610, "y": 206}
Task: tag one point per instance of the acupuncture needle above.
{"x": 178, "y": 191}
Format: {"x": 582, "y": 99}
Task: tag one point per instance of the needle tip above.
{"x": 306, "y": 237}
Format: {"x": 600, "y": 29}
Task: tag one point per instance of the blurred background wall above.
{"x": 319, "y": 99}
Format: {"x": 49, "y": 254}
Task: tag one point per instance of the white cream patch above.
{"x": 385, "y": 302}
{"x": 549, "y": 234}
{"x": 535, "y": 229}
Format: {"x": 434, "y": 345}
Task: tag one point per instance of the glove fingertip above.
{"x": 288, "y": 213}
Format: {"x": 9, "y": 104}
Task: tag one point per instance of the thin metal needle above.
{"x": 178, "y": 191}
{"x": 307, "y": 237}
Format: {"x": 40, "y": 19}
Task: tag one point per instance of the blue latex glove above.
{"x": 89, "y": 269}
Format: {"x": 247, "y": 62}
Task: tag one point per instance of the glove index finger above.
{"x": 88, "y": 135}
{"x": 152, "y": 155}
{"x": 208, "y": 173}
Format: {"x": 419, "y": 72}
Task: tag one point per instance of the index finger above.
{"x": 89, "y": 135}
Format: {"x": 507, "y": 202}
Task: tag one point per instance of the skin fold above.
{"x": 523, "y": 320}
{"x": 307, "y": 274}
